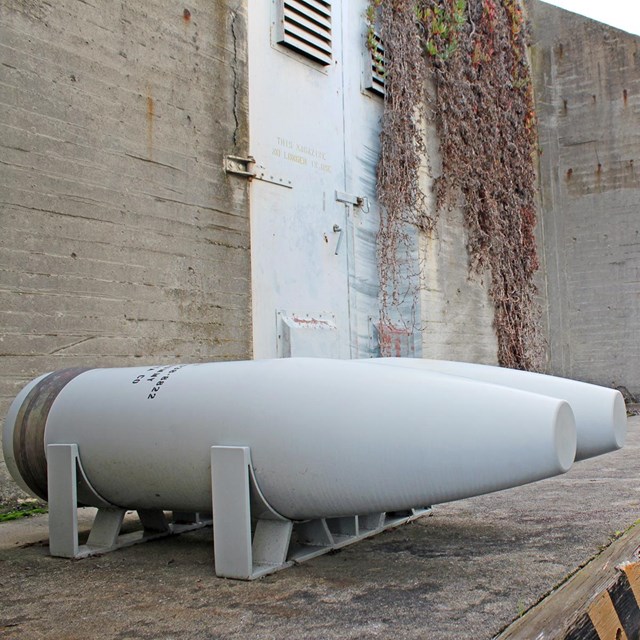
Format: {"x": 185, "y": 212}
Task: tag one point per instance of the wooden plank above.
{"x": 564, "y": 613}
{"x": 605, "y": 620}
{"x": 584, "y": 630}
{"x": 626, "y": 604}
{"x": 632, "y": 571}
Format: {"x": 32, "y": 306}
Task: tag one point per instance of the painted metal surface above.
{"x": 65, "y": 481}
{"x": 314, "y": 334}
{"x": 315, "y": 127}
{"x": 363, "y": 112}
{"x": 600, "y": 413}
{"x": 328, "y": 438}
{"x": 246, "y": 551}
{"x": 250, "y": 539}
{"x": 296, "y": 129}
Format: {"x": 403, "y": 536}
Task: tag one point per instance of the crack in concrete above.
{"x": 234, "y": 67}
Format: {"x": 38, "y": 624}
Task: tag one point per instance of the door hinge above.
{"x": 239, "y": 166}
{"x": 248, "y": 168}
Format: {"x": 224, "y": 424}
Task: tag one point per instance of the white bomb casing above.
{"x": 328, "y": 438}
{"x": 600, "y": 412}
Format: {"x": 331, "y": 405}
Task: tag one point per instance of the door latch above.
{"x": 357, "y": 201}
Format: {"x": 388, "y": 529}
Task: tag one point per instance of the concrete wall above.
{"x": 122, "y": 240}
{"x": 457, "y": 315}
{"x": 587, "y": 83}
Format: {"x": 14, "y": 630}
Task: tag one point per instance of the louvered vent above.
{"x": 305, "y": 27}
{"x": 375, "y": 71}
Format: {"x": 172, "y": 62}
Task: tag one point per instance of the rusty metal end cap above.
{"x": 29, "y": 428}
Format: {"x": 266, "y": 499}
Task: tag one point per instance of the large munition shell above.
{"x": 601, "y": 418}
{"x": 327, "y": 437}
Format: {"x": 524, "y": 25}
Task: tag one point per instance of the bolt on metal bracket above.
{"x": 248, "y": 168}
{"x": 357, "y": 201}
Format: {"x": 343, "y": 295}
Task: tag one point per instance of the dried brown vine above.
{"x": 476, "y": 53}
{"x": 401, "y": 139}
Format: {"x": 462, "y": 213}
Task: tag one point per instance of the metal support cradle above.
{"x": 250, "y": 538}
{"x": 68, "y": 486}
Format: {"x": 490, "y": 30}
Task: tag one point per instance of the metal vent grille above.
{"x": 375, "y": 71}
{"x": 305, "y": 27}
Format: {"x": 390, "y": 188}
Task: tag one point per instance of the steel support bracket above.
{"x": 252, "y": 540}
{"x": 67, "y": 481}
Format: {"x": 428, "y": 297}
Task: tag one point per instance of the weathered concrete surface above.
{"x": 123, "y": 241}
{"x": 587, "y": 87}
{"x": 456, "y": 312}
{"x": 466, "y": 572}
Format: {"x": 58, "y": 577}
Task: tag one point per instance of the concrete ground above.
{"x": 465, "y": 572}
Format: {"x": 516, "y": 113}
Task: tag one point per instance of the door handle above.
{"x": 338, "y": 229}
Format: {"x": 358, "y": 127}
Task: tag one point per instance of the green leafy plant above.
{"x": 440, "y": 24}
{"x": 21, "y": 510}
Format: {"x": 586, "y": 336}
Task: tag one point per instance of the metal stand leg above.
{"x": 231, "y": 512}
{"x": 237, "y": 501}
{"x": 235, "y": 494}
{"x": 153, "y": 521}
{"x": 106, "y": 529}
{"x": 271, "y": 542}
{"x": 66, "y": 479}
{"x": 63, "y": 500}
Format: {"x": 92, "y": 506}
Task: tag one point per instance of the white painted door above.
{"x": 299, "y": 238}
{"x": 314, "y": 127}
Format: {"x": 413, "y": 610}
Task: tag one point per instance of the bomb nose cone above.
{"x": 565, "y": 437}
{"x": 600, "y": 413}
{"x": 619, "y": 420}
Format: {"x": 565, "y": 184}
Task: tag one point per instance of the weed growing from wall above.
{"x": 475, "y": 51}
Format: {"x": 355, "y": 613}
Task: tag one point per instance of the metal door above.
{"x": 364, "y": 86}
{"x": 298, "y": 228}
{"x": 314, "y": 111}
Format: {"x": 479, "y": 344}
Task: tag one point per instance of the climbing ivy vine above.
{"x": 475, "y": 53}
